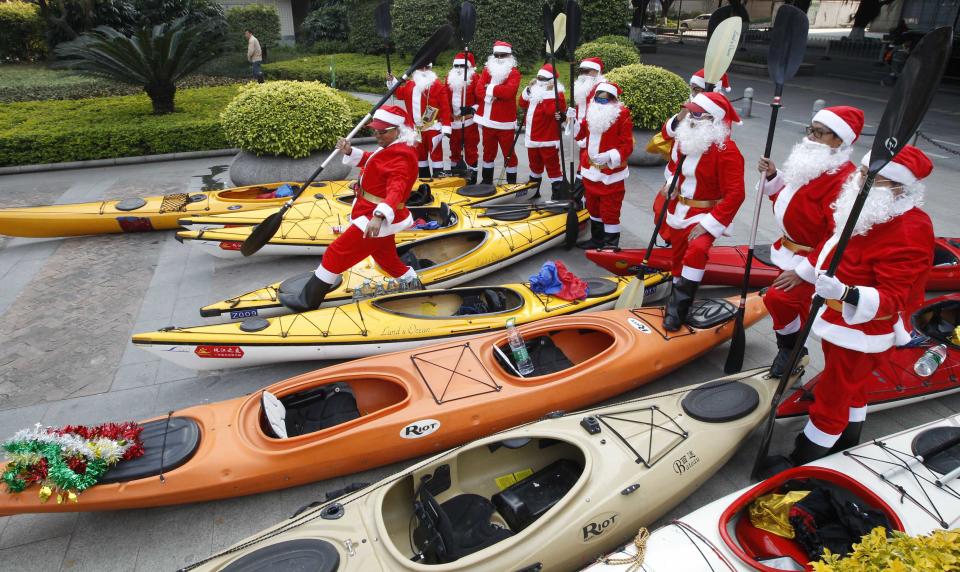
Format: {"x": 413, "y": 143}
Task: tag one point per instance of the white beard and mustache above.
{"x": 539, "y": 91}
{"x": 810, "y": 159}
{"x": 455, "y": 79}
{"x": 407, "y": 135}
{"x": 881, "y": 205}
{"x": 696, "y": 137}
{"x": 601, "y": 116}
{"x": 499, "y": 69}
{"x": 424, "y": 79}
{"x": 582, "y": 87}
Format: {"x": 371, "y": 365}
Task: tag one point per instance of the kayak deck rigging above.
{"x": 453, "y": 373}
{"x": 643, "y": 426}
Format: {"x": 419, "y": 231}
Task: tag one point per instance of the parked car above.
{"x": 698, "y": 23}
{"x": 643, "y": 36}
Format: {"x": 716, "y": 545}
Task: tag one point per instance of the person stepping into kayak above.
{"x": 881, "y": 278}
{"x": 496, "y": 93}
{"x": 708, "y": 195}
{"x": 541, "y": 111}
{"x": 379, "y": 210}
{"x": 802, "y": 193}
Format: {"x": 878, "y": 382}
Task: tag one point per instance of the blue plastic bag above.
{"x": 546, "y": 281}
{"x": 283, "y": 191}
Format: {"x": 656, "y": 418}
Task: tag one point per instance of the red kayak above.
{"x": 895, "y": 383}
{"x": 725, "y": 267}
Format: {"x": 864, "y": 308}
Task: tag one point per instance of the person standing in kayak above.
{"x": 463, "y": 100}
{"x": 496, "y": 93}
{"x": 542, "y": 138}
{"x": 425, "y": 99}
{"x": 379, "y": 210}
{"x": 708, "y": 195}
{"x": 881, "y": 278}
{"x": 802, "y": 193}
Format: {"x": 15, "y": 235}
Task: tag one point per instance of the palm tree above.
{"x": 155, "y": 58}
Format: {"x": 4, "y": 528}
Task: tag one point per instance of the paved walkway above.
{"x": 68, "y": 307}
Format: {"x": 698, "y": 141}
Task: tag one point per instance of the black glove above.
{"x": 464, "y": 111}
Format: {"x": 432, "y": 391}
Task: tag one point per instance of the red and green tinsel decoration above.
{"x": 65, "y": 461}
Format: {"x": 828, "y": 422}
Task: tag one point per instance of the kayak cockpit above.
{"x": 556, "y": 350}
{"x": 325, "y": 406}
{"x": 253, "y": 193}
{"x": 942, "y": 256}
{"x": 442, "y": 249}
{"x": 458, "y": 302}
{"x": 939, "y": 321}
{"x": 419, "y": 197}
{"x": 785, "y": 522}
{"x": 482, "y": 496}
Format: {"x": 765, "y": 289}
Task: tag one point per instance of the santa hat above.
{"x": 459, "y": 59}
{"x": 845, "y": 121}
{"x": 595, "y": 64}
{"x": 699, "y": 79}
{"x": 500, "y": 47}
{"x": 388, "y": 116}
{"x": 907, "y": 167}
{"x": 546, "y": 70}
{"x": 609, "y": 87}
{"x": 716, "y": 104}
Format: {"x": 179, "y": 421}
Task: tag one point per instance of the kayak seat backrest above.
{"x": 301, "y": 554}
{"x": 547, "y": 358}
{"x": 411, "y": 260}
{"x": 707, "y": 313}
{"x": 522, "y": 503}
{"x": 938, "y": 321}
{"x": 161, "y": 454}
{"x": 943, "y": 257}
{"x": 457, "y": 528}
{"x": 321, "y": 408}
{"x": 488, "y": 301}
{"x": 275, "y": 414}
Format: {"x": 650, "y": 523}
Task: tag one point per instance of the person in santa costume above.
{"x": 698, "y": 84}
{"x": 542, "y": 136}
{"x": 708, "y": 195}
{"x": 465, "y": 139}
{"x": 496, "y": 93}
{"x": 605, "y": 138}
{"x": 802, "y": 193}
{"x": 882, "y": 276}
{"x": 425, "y": 99}
{"x": 379, "y": 209}
{"x": 590, "y": 75}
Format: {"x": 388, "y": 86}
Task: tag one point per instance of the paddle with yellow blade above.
{"x": 720, "y": 51}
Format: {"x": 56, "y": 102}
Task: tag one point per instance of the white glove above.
{"x": 571, "y": 113}
{"x": 600, "y": 158}
{"x": 829, "y": 288}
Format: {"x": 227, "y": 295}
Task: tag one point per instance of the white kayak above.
{"x": 886, "y": 475}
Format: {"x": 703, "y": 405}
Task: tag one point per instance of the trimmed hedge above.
{"x": 362, "y": 36}
{"x": 602, "y": 18}
{"x": 262, "y": 20}
{"x": 617, "y": 40}
{"x": 514, "y": 21}
{"x": 652, "y": 93}
{"x": 416, "y": 20}
{"x": 40, "y": 84}
{"x": 23, "y": 30}
{"x": 328, "y": 23}
{"x": 613, "y": 55}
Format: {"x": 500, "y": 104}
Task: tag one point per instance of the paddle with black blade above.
{"x": 468, "y": 26}
{"x": 720, "y": 51}
{"x": 787, "y": 47}
{"x": 263, "y": 232}
{"x": 573, "y": 40}
{"x": 384, "y": 25}
{"x": 908, "y": 103}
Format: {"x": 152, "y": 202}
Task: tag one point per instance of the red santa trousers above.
{"x": 689, "y": 256}
{"x": 502, "y": 138}
{"x": 603, "y": 202}
{"x": 548, "y": 157}
{"x": 841, "y": 394}
{"x": 470, "y": 138}
{"x": 351, "y": 247}
{"x": 428, "y": 154}
{"x": 789, "y": 309}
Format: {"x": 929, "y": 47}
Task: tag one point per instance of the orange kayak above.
{"x": 382, "y": 409}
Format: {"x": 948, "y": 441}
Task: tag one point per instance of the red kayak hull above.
{"x": 725, "y": 267}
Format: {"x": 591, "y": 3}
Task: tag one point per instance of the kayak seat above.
{"x": 762, "y": 253}
{"x": 599, "y": 287}
{"x": 721, "y": 401}
{"x": 943, "y": 257}
{"x": 457, "y": 528}
{"x": 547, "y": 358}
{"x": 161, "y": 454}
{"x": 487, "y": 301}
{"x": 477, "y": 191}
{"x": 707, "y": 313}
{"x": 938, "y": 321}
{"x": 317, "y": 409}
{"x": 944, "y": 443}
{"x": 446, "y": 217}
{"x": 523, "y": 502}
{"x": 302, "y": 554}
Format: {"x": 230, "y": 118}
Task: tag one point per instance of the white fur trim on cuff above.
{"x": 806, "y": 271}
{"x": 837, "y": 125}
{"x": 613, "y": 158}
{"x": 669, "y": 127}
{"x": 819, "y": 437}
{"x": 858, "y": 414}
{"x": 772, "y": 186}
{"x": 325, "y": 275}
{"x": 692, "y": 274}
{"x": 712, "y": 225}
{"x": 354, "y": 158}
{"x": 385, "y": 210}
{"x": 866, "y": 308}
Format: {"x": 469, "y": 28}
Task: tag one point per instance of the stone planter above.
{"x": 640, "y": 157}
{"x": 248, "y": 169}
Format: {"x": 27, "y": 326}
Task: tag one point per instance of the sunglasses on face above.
{"x": 543, "y": 78}
{"x": 602, "y": 99}
{"x": 818, "y": 132}
{"x": 501, "y": 56}
{"x": 383, "y": 131}
{"x": 458, "y": 66}
{"x": 700, "y": 115}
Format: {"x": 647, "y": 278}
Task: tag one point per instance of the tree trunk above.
{"x": 161, "y": 96}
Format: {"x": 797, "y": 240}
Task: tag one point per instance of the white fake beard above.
{"x": 424, "y": 79}
{"x": 601, "y": 116}
{"x": 499, "y": 69}
{"x": 455, "y": 79}
{"x": 881, "y": 205}
{"x": 582, "y": 87}
{"x": 695, "y": 137}
{"x": 538, "y": 92}
{"x": 810, "y": 159}
{"x": 407, "y": 136}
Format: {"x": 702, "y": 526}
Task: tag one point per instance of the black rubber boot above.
{"x": 472, "y": 178}
{"x": 849, "y": 438}
{"x": 536, "y": 190}
{"x": 611, "y": 240}
{"x": 785, "y": 345}
{"x": 310, "y": 298}
{"x": 424, "y": 172}
{"x": 511, "y": 178}
{"x": 805, "y": 451}
{"x": 559, "y": 191}
{"x": 487, "y": 176}
{"x": 681, "y": 297}
{"x": 596, "y": 236}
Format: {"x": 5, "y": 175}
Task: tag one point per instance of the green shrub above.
{"x": 344, "y": 71}
{"x": 415, "y": 20}
{"x": 286, "y": 118}
{"x": 613, "y": 55}
{"x": 328, "y": 23}
{"x": 362, "y": 35}
{"x": 618, "y": 40}
{"x": 936, "y": 552}
{"x": 652, "y": 93}
{"x": 514, "y": 21}
{"x": 23, "y": 29}
{"x": 602, "y": 18}
{"x": 262, "y": 20}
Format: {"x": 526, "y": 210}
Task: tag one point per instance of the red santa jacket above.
{"x": 541, "y": 125}
{"x": 463, "y": 97}
{"x": 388, "y": 174}
{"x": 613, "y": 146}
{"x": 497, "y": 103}
{"x": 415, "y": 101}
{"x": 805, "y": 217}
{"x": 889, "y": 265}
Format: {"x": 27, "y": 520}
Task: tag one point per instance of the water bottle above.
{"x": 930, "y": 360}
{"x": 366, "y": 289}
{"x": 519, "y": 349}
{"x": 379, "y": 290}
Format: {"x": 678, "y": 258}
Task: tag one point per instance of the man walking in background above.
{"x": 254, "y": 55}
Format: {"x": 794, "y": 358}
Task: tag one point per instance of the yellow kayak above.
{"x": 378, "y": 325}
{"x": 159, "y": 212}
{"x": 441, "y": 261}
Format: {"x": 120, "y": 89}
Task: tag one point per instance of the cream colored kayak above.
{"x": 550, "y": 495}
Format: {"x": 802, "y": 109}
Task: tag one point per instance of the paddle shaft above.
{"x": 463, "y": 102}
{"x": 556, "y": 107}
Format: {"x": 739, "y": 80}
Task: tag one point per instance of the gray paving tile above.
{"x": 135, "y": 375}
{"x": 188, "y": 531}
{"x": 12, "y": 420}
{"x": 42, "y": 556}
{"x": 29, "y": 528}
{"x": 131, "y": 404}
{"x": 122, "y": 532}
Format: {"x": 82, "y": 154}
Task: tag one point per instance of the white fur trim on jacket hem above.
{"x": 866, "y": 308}
{"x": 712, "y": 225}
{"x": 852, "y": 338}
{"x": 490, "y": 124}
{"x": 385, "y": 229}
{"x": 818, "y": 437}
{"x": 595, "y": 175}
